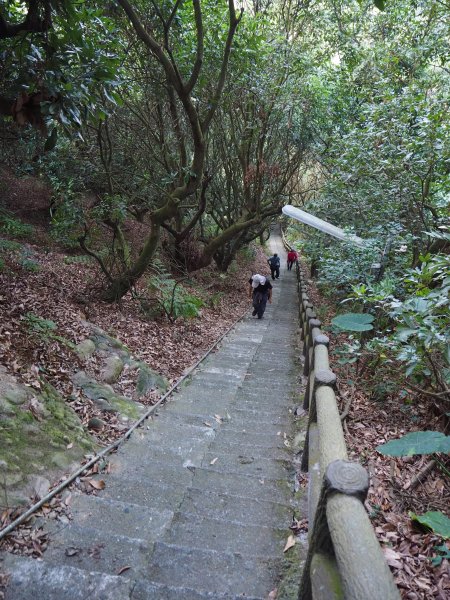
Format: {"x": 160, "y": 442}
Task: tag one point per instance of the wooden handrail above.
{"x": 344, "y": 559}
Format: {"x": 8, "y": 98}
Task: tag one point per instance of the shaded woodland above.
{"x": 146, "y": 148}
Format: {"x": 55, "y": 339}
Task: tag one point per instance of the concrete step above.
{"x": 221, "y": 481}
{"x": 142, "y": 491}
{"x": 167, "y": 431}
{"x": 94, "y": 549}
{"x": 246, "y": 437}
{"x": 227, "y": 419}
{"x": 120, "y": 517}
{"x": 212, "y": 571}
{"x": 153, "y": 591}
{"x": 249, "y": 463}
{"x": 172, "y": 476}
{"x": 205, "y": 533}
{"x": 236, "y": 509}
{"x": 30, "y": 579}
{"x": 223, "y": 446}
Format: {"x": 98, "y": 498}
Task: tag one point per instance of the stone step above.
{"x": 141, "y": 491}
{"x": 153, "y": 591}
{"x": 196, "y": 393}
{"x": 154, "y": 472}
{"x": 265, "y": 414}
{"x": 206, "y": 533}
{"x": 254, "y": 427}
{"x": 30, "y": 579}
{"x": 248, "y": 463}
{"x": 171, "y": 431}
{"x": 228, "y": 419}
{"x": 221, "y": 481}
{"x": 236, "y": 509}
{"x": 246, "y": 400}
{"x": 94, "y": 549}
{"x": 248, "y": 438}
{"x": 223, "y": 446}
{"x": 234, "y": 369}
{"x": 174, "y": 453}
{"x": 251, "y": 403}
{"x": 120, "y": 517}
{"x": 197, "y": 406}
{"x": 212, "y": 571}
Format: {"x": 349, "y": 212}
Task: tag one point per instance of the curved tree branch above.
{"x": 37, "y": 20}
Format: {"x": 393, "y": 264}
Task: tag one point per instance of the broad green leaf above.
{"x": 379, "y": 4}
{"x": 417, "y": 442}
{"x": 354, "y": 322}
{"x": 435, "y": 520}
{"x": 403, "y": 333}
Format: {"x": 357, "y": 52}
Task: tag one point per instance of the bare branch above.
{"x": 234, "y": 22}
{"x": 199, "y": 55}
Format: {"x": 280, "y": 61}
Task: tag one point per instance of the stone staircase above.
{"x": 199, "y": 500}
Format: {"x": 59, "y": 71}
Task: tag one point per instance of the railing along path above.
{"x": 344, "y": 557}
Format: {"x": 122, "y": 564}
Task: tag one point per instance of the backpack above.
{"x": 274, "y": 261}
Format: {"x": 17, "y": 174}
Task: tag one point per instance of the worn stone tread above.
{"x": 142, "y": 491}
{"x": 33, "y": 580}
{"x": 236, "y": 509}
{"x": 92, "y": 548}
{"x": 207, "y": 533}
{"x": 242, "y": 485}
{"x": 227, "y": 573}
{"x": 248, "y": 463}
{"x": 153, "y": 591}
{"x": 120, "y": 517}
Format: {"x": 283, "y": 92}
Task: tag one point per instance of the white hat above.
{"x": 258, "y": 280}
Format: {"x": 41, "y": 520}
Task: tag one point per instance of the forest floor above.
{"x": 46, "y": 282}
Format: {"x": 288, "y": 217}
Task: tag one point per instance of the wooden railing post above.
{"x": 313, "y": 330}
{"x": 347, "y": 478}
{"x": 322, "y": 377}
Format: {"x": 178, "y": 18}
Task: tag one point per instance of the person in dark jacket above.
{"x": 260, "y": 291}
{"x": 274, "y": 264}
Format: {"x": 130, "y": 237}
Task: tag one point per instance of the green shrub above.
{"x": 173, "y": 299}
{"x": 44, "y": 329}
{"x": 75, "y": 260}
{"x": 14, "y": 227}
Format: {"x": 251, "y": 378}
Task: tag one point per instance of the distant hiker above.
{"x": 274, "y": 264}
{"x": 292, "y": 258}
{"x": 260, "y": 291}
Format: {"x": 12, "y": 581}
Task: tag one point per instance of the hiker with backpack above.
{"x": 274, "y": 264}
{"x": 260, "y": 292}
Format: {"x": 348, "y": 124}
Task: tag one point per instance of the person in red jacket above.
{"x": 292, "y": 258}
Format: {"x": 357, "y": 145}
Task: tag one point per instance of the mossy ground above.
{"x": 39, "y": 444}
